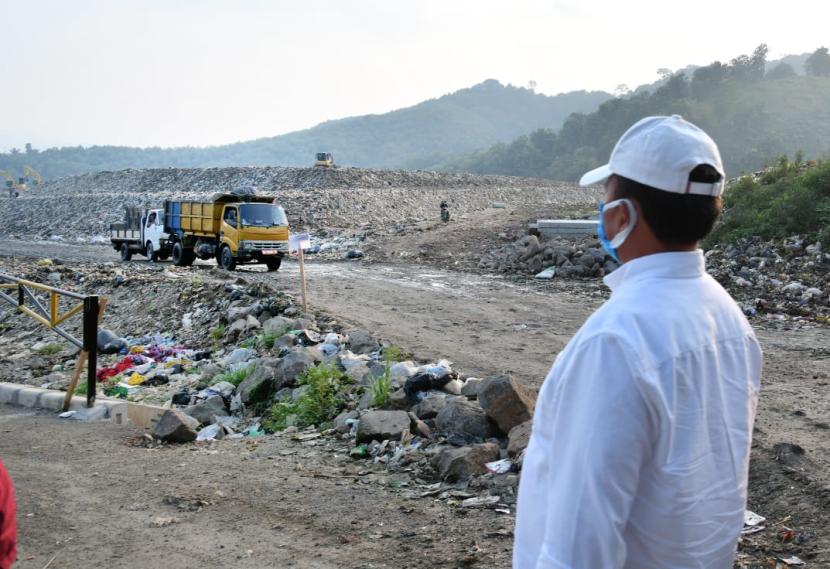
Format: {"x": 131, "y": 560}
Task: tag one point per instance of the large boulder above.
{"x": 465, "y": 418}
{"x": 460, "y": 463}
{"x": 236, "y": 311}
{"x": 471, "y": 388}
{"x": 429, "y": 406}
{"x": 260, "y": 383}
{"x": 342, "y": 423}
{"x": 205, "y": 411}
{"x": 293, "y": 365}
{"x": 506, "y": 401}
{"x": 382, "y": 425}
{"x": 277, "y": 325}
{"x": 176, "y": 427}
{"x": 361, "y": 342}
{"x": 518, "y": 438}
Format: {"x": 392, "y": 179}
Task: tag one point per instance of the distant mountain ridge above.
{"x": 417, "y": 137}
{"x": 753, "y": 111}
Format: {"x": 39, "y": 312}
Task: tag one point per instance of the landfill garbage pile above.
{"x": 775, "y": 280}
{"x": 560, "y": 258}
{"x": 81, "y": 208}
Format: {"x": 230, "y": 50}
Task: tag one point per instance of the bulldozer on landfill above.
{"x": 324, "y": 160}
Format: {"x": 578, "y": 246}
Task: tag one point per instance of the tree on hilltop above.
{"x": 818, "y": 63}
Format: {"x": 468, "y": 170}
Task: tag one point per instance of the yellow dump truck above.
{"x": 230, "y": 228}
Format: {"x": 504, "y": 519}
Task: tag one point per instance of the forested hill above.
{"x": 422, "y": 136}
{"x": 754, "y": 114}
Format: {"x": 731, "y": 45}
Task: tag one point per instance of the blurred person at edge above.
{"x": 639, "y": 451}
{"x": 8, "y": 520}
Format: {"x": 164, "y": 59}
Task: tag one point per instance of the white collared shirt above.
{"x": 640, "y": 446}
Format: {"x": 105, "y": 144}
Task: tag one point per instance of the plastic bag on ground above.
{"x": 210, "y": 433}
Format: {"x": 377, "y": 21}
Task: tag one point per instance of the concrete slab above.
{"x": 113, "y": 410}
{"x": 573, "y": 228}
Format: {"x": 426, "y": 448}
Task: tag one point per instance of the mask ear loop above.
{"x": 620, "y": 237}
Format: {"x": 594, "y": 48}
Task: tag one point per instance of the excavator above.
{"x": 31, "y": 173}
{"x": 22, "y": 184}
{"x": 14, "y": 187}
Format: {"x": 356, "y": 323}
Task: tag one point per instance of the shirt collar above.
{"x": 674, "y": 265}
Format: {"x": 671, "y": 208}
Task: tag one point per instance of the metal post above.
{"x": 91, "y": 345}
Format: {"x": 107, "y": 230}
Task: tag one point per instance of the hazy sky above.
{"x": 202, "y": 72}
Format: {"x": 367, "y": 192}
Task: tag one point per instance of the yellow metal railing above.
{"x": 91, "y": 306}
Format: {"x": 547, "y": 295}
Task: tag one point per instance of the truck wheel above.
{"x": 150, "y": 253}
{"x": 181, "y": 256}
{"x": 126, "y": 254}
{"x": 273, "y": 264}
{"x": 226, "y": 259}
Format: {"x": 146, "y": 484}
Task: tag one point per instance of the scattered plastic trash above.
{"x": 254, "y": 430}
{"x": 480, "y": 502}
{"x": 67, "y": 414}
{"x": 328, "y": 350}
{"x": 548, "y": 273}
{"x": 109, "y": 343}
{"x": 428, "y": 377}
{"x": 786, "y": 534}
{"x": 791, "y": 560}
{"x": 752, "y": 523}
{"x": 182, "y": 397}
{"x": 360, "y": 451}
{"x": 209, "y": 433}
{"x": 500, "y": 466}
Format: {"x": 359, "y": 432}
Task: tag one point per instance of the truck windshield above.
{"x": 262, "y": 215}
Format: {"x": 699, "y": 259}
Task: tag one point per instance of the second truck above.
{"x": 231, "y": 228}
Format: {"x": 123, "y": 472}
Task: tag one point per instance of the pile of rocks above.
{"x": 251, "y": 352}
{"x": 777, "y": 279}
{"x": 568, "y": 258}
{"x": 82, "y": 207}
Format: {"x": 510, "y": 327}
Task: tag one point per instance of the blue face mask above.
{"x": 611, "y": 245}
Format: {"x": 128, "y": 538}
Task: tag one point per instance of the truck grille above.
{"x": 263, "y": 245}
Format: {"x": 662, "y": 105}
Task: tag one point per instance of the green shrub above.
{"x": 216, "y": 334}
{"x": 49, "y": 349}
{"x": 266, "y": 340}
{"x": 235, "y": 377}
{"x": 789, "y": 198}
{"x": 380, "y": 386}
{"x": 318, "y": 405}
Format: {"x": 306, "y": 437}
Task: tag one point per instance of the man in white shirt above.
{"x": 641, "y": 436}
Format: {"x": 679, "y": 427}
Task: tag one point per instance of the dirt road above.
{"x": 88, "y": 497}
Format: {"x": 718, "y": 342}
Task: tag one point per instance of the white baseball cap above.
{"x": 661, "y": 152}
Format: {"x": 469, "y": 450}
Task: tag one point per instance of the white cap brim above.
{"x": 596, "y": 176}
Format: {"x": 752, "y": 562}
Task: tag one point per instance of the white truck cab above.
{"x": 142, "y": 232}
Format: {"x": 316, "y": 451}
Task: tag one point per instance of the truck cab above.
{"x": 152, "y": 234}
{"x": 253, "y": 232}
{"x": 141, "y": 232}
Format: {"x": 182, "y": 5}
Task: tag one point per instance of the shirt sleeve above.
{"x": 597, "y": 430}
{"x": 8, "y": 522}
